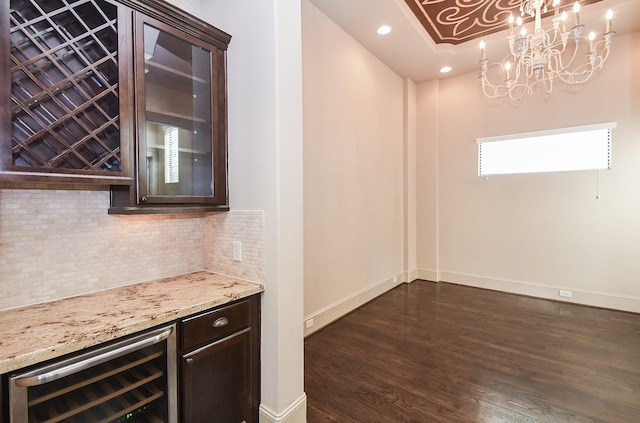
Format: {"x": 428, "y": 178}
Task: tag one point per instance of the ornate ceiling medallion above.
{"x": 458, "y": 21}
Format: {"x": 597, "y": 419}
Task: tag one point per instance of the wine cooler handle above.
{"x": 84, "y": 361}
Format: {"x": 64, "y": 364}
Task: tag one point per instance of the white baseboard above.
{"x": 296, "y": 412}
{"x": 410, "y": 276}
{"x": 578, "y": 296}
{"x": 338, "y": 309}
{"x": 427, "y": 275}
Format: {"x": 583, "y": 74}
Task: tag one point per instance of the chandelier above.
{"x": 543, "y": 56}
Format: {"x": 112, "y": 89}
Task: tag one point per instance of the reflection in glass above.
{"x": 178, "y": 116}
{"x": 171, "y": 162}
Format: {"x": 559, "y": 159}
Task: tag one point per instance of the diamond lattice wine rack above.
{"x": 64, "y": 87}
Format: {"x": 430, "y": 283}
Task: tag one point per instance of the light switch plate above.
{"x": 237, "y": 251}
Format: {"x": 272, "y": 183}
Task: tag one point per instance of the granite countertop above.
{"x": 40, "y": 332}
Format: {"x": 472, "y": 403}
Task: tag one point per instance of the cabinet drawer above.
{"x": 215, "y": 324}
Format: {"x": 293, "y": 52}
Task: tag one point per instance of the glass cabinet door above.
{"x": 177, "y": 116}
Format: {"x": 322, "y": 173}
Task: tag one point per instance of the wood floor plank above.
{"x": 427, "y": 352}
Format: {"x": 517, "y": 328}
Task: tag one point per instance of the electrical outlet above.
{"x": 566, "y": 294}
{"x": 395, "y": 279}
{"x": 237, "y": 251}
{"x": 308, "y": 323}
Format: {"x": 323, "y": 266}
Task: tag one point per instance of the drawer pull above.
{"x": 220, "y": 322}
{"x": 189, "y": 360}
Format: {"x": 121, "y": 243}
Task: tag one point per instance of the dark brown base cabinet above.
{"x": 220, "y": 365}
{"x": 216, "y": 381}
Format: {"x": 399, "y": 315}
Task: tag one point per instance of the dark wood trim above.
{"x": 4, "y": 398}
{"x": 64, "y": 179}
{"x": 182, "y": 20}
{"x": 219, "y": 122}
{"x": 5, "y": 87}
{"x": 256, "y": 342}
{"x": 126, "y": 91}
{"x": 132, "y": 210}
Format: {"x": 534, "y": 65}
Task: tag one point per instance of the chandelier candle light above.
{"x": 543, "y": 55}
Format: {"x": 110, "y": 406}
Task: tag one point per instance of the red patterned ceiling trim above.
{"x": 458, "y": 21}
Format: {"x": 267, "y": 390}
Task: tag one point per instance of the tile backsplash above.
{"x": 60, "y": 243}
{"x": 220, "y": 232}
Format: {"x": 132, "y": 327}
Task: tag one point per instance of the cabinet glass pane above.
{"x": 178, "y": 116}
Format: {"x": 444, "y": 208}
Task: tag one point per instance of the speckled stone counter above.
{"x": 37, "y": 333}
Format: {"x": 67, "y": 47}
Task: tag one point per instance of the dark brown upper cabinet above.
{"x": 127, "y": 93}
{"x": 181, "y": 114}
{"x": 61, "y": 89}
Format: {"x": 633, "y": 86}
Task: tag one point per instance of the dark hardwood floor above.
{"x": 427, "y": 352}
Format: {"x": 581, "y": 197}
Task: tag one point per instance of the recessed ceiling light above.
{"x": 384, "y": 30}
{"x": 445, "y": 69}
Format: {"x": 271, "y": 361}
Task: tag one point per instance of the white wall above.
{"x": 535, "y": 234}
{"x": 191, "y": 6}
{"x": 409, "y": 197}
{"x": 427, "y": 180}
{"x": 353, "y": 171}
{"x": 265, "y": 173}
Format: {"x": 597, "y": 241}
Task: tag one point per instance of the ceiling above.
{"x": 456, "y": 22}
{"x": 429, "y": 34}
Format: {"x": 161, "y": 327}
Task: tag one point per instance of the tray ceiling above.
{"x": 458, "y": 21}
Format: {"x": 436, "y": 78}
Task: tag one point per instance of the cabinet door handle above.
{"x": 188, "y": 360}
{"x": 220, "y": 322}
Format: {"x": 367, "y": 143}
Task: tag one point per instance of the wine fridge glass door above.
{"x": 132, "y": 380}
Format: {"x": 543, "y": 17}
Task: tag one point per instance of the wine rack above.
{"x": 64, "y": 86}
{"x": 130, "y": 388}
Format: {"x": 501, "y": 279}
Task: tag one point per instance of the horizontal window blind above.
{"x": 566, "y": 149}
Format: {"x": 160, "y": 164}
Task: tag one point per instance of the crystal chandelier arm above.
{"x": 518, "y": 90}
{"x": 493, "y": 91}
{"x": 490, "y": 89}
{"x": 562, "y": 67}
{"x": 549, "y": 87}
{"x": 600, "y": 59}
{"x": 499, "y": 90}
{"x": 579, "y": 75}
{"x": 557, "y": 35}
{"x": 582, "y": 73}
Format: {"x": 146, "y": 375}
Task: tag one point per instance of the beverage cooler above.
{"x": 133, "y": 380}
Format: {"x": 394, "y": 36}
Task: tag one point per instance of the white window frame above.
{"x": 547, "y": 151}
